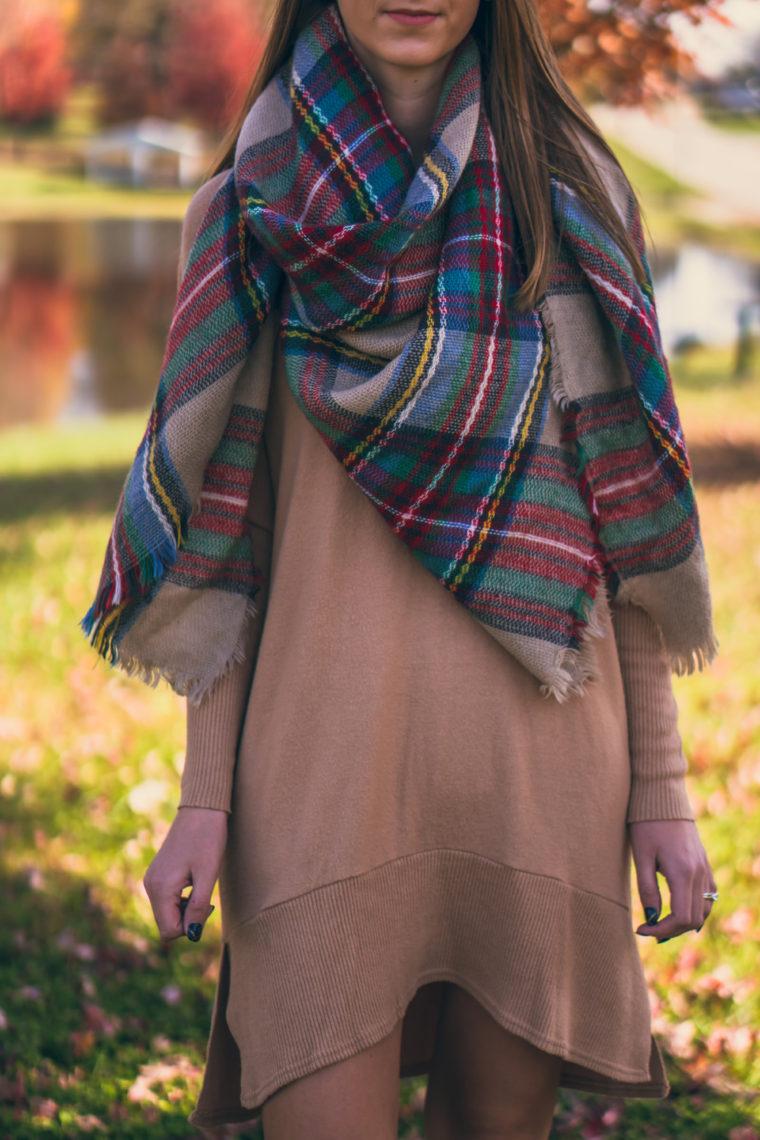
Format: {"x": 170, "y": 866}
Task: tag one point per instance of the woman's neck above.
{"x": 412, "y": 111}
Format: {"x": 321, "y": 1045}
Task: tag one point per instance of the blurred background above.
{"x": 109, "y": 115}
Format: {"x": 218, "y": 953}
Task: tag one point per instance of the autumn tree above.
{"x": 175, "y": 58}
{"x": 212, "y": 55}
{"x": 192, "y": 58}
{"x": 34, "y": 75}
{"x": 623, "y": 51}
{"x": 120, "y": 48}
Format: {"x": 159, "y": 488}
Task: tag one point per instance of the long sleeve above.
{"x": 658, "y": 763}
{"x": 213, "y": 726}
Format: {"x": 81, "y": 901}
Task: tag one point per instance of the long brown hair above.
{"x": 538, "y": 125}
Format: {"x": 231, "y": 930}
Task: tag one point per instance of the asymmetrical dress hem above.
{"x": 323, "y": 976}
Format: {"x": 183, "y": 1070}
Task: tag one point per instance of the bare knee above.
{"x": 487, "y": 1083}
{"x": 448, "y": 1120}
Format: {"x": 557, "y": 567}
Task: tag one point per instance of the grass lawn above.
{"x": 102, "y": 1029}
{"x": 672, "y": 213}
{"x": 28, "y": 192}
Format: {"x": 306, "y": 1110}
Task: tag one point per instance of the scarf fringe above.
{"x": 563, "y": 684}
{"x": 185, "y": 683}
{"x": 577, "y": 668}
{"x": 556, "y": 382}
{"x": 694, "y": 660}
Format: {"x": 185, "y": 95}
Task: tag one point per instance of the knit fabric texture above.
{"x": 404, "y": 349}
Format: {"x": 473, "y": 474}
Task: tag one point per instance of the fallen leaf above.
{"x": 161, "y": 1072}
{"x": 90, "y": 1123}
{"x": 44, "y": 1107}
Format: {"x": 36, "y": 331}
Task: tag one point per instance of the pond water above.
{"x": 84, "y": 311}
{"x": 85, "y": 307}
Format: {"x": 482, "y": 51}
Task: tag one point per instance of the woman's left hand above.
{"x": 672, "y": 847}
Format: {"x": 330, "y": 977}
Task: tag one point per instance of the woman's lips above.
{"x": 410, "y": 17}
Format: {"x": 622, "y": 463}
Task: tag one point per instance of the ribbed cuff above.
{"x": 658, "y": 763}
{"x": 659, "y": 799}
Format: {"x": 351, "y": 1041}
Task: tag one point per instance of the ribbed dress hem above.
{"x": 321, "y": 976}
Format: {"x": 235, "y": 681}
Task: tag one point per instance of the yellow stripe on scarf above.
{"x": 156, "y": 483}
{"x": 252, "y": 291}
{"x": 313, "y": 337}
{"x": 405, "y": 396}
{"x": 335, "y": 154}
{"x": 488, "y": 521}
{"x": 101, "y": 637}
{"x": 437, "y": 172}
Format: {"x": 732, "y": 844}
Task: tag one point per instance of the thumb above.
{"x": 197, "y": 910}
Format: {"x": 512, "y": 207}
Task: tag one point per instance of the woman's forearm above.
{"x": 658, "y": 763}
{"x": 213, "y": 729}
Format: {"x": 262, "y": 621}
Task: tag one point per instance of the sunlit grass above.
{"x": 673, "y": 210}
{"x": 102, "y": 1028}
{"x": 29, "y": 192}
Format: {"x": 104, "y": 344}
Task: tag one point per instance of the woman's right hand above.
{"x": 190, "y": 856}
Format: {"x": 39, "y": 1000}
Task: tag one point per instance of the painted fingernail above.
{"x": 699, "y": 928}
{"x": 650, "y": 914}
{"x": 194, "y": 931}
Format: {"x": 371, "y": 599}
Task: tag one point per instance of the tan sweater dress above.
{"x": 406, "y": 808}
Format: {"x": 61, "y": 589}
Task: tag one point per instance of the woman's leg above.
{"x": 351, "y": 1099}
{"x": 485, "y": 1083}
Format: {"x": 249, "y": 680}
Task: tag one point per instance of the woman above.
{"x": 461, "y": 711}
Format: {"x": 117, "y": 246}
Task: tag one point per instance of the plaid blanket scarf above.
{"x": 532, "y": 461}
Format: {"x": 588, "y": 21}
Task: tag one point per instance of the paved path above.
{"x": 723, "y": 165}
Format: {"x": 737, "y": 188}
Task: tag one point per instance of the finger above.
{"x": 197, "y": 910}
{"x": 165, "y": 901}
{"x": 707, "y": 904}
{"x": 649, "y": 890}
{"x": 168, "y": 915}
{"x": 699, "y": 902}
{"x": 680, "y": 919}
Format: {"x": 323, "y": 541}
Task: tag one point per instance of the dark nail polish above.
{"x": 194, "y": 931}
{"x": 650, "y": 914}
{"x": 699, "y": 928}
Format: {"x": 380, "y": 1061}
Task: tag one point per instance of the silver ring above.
{"x": 712, "y": 895}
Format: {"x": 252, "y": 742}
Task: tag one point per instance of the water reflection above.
{"x": 84, "y": 310}
{"x": 85, "y": 307}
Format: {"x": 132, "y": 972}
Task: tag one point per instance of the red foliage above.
{"x": 34, "y": 76}
{"x": 213, "y": 52}
{"x": 173, "y": 58}
{"x": 621, "y": 50}
{"x": 129, "y": 84}
{"x": 195, "y": 58}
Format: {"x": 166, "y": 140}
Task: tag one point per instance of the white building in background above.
{"x": 151, "y": 152}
